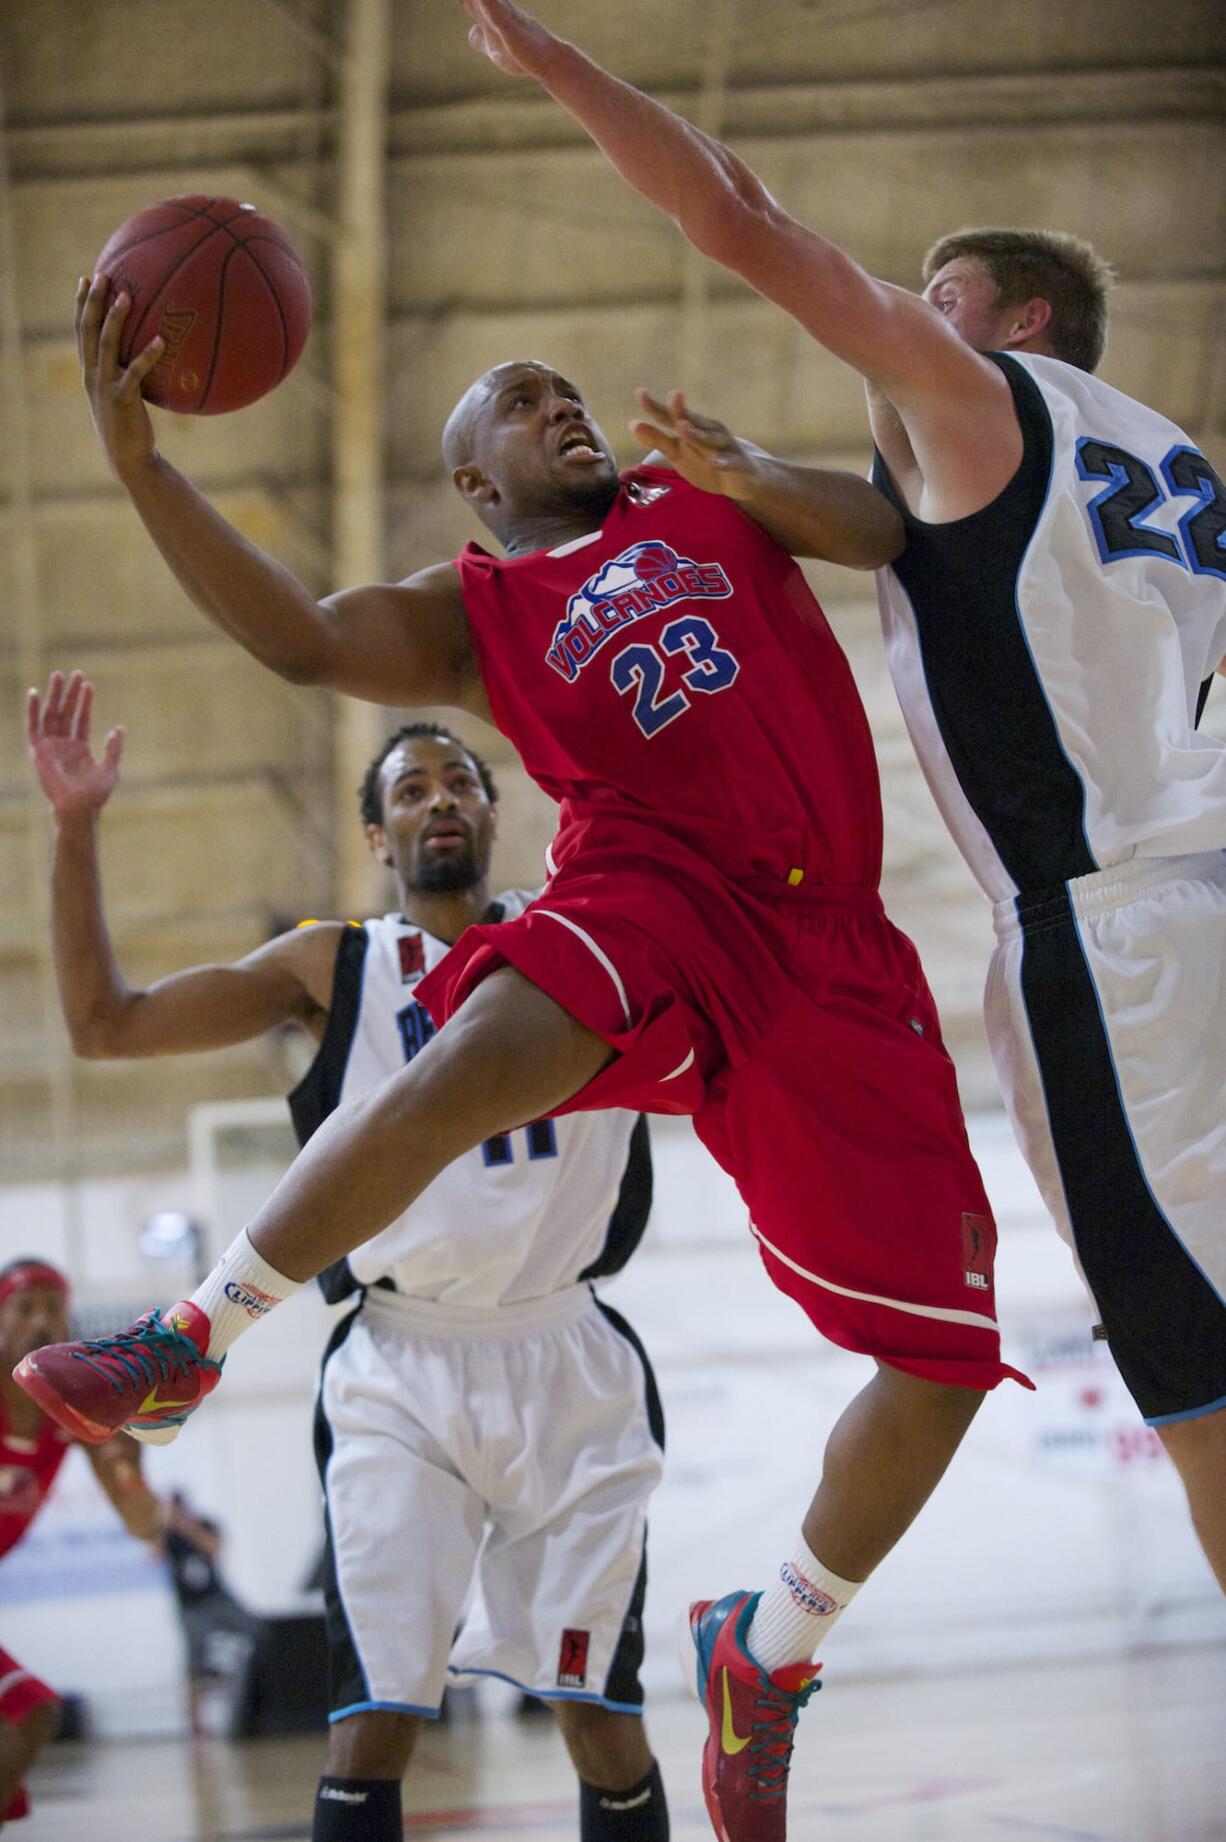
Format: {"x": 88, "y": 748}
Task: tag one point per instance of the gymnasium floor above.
{"x": 1125, "y": 1750}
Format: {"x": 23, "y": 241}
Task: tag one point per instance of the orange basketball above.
{"x": 225, "y": 289}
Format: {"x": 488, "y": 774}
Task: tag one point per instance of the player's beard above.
{"x": 446, "y": 875}
{"x": 596, "y": 496}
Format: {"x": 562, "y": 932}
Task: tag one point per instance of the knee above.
{"x": 608, "y": 1750}
{"x": 914, "y": 1396}
{"x": 1197, "y": 1445}
{"x": 375, "y": 1744}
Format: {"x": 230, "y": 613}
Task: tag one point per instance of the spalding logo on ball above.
{"x": 223, "y": 286}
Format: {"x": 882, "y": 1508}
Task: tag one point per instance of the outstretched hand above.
{"x": 57, "y": 741}
{"x": 114, "y": 390}
{"x": 703, "y": 451}
{"x": 508, "y": 37}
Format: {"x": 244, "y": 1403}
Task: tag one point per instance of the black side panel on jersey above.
{"x": 319, "y": 1091}
{"x": 629, "y": 1218}
{"x": 987, "y": 697}
{"x": 347, "y": 1684}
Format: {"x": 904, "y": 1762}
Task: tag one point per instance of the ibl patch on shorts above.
{"x": 978, "y": 1246}
{"x": 572, "y": 1659}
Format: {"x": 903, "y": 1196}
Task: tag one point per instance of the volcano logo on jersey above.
{"x": 644, "y": 579}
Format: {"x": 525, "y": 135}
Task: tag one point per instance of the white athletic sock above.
{"x": 241, "y": 1289}
{"x": 796, "y": 1612}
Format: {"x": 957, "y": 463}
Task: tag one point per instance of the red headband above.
{"x": 29, "y": 1273}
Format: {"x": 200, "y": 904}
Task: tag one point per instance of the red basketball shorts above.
{"x": 20, "y": 1694}
{"x": 800, "y": 1034}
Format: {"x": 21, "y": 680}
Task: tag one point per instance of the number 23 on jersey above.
{"x": 638, "y": 671}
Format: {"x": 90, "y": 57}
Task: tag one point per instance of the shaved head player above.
{"x": 711, "y": 941}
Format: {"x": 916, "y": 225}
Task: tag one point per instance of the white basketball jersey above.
{"x": 1051, "y": 652}
{"x": 521, "y": 1216}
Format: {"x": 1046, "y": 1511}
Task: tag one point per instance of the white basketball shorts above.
{"x": 513, "y": 1451}
{"x": 1106, "y": 1013}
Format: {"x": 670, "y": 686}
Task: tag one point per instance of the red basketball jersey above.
{"x": 673, "y": 673}
{"x": 27, "y": 1472}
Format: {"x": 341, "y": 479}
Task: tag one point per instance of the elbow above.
{"x": 896, "y": 541}
{"x": 90, "y": 1043}
{"x": 97, "y": 1037}
{"x": 880, "y": 541}
{"x": 299, "y": 670}
{"x": 732, "y": 219}
{"x": 893, "y": 541}
{"x": 306, "y": 656}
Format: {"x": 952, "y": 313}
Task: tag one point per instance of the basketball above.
{"x": 223, "y": 286}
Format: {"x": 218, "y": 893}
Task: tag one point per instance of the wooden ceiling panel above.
{"x": 557, "y": 229}
{"x": 285, "y": 435}
{"x": 62, "y": 222}
{"x": 658, "y": 46}
{"x": 69, "y": 61}
{"x": 238, "y": 718}
{"x": 104, "y": 586}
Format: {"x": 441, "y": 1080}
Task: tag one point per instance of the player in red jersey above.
{"x": 710, "y": 942}
{"x": 34, "y": 1309}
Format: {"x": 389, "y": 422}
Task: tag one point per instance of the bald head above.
{"x": 461, "y": 423}
{"x": 526, "y": 456}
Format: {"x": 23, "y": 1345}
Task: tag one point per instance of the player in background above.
{"x": 711, "y": 942}
{"x": 488, "y": 1276}
{"x": 33, "y": 1308}
{"x": 219, "y": 1632}
{"x": 1052, "y": 627}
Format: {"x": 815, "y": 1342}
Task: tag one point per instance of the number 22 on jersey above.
{"x": 1118, "y": 514}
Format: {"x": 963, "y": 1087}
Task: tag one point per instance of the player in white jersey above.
{"x": 1051, "y": 624}
{"x": 482, "y": 1417}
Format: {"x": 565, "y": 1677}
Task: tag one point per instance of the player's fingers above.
{"x": 72, "y": 704}
{"x": 713, "y": 444}
{"x": 658, "y": 411}
{"x": 112, "y": 331}
{"x": 114, "y": 746}
{"x": 78, "y": 305}
{"x": 139, "y": 369}
{"x": 702, "y": 425}
{"x": 82, "y": 706}
{"x": 710, "y": 430}
{"x": 55, "y": 691}
{"x": 34, "y": 716}
{"x": 653, "y": 437}
{"x": 91, "y": 320}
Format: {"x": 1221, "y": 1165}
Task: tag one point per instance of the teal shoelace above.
{"x": 150, "y": 1353}
{"x": 770, "y": 1749}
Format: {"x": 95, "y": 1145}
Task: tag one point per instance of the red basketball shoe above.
{"x": 146, "y": 1379}
{"x": 753, "y": 1721}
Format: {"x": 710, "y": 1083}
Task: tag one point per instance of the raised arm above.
{"x": 809, "y": 511}
{"x": 955, "y": 404}
{"x": 206, "y": 1007}
{"x": 388, "y": 643}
